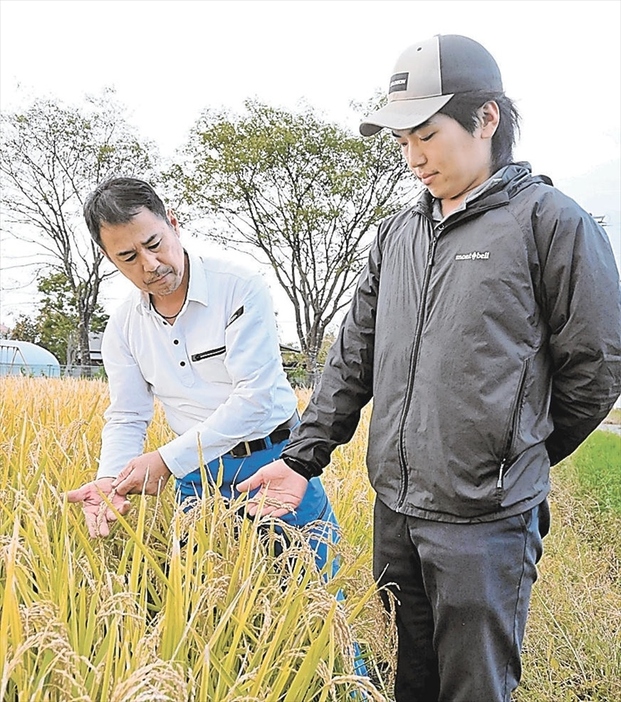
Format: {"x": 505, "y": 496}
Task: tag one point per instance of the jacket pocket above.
{"x": 513, "y": 424}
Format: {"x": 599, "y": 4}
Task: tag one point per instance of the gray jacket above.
{"x": 490, "y": 343}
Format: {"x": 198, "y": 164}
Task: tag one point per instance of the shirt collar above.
{"x": 198, "y": 289}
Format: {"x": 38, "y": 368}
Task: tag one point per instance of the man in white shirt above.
{"x": 199, "y": 334}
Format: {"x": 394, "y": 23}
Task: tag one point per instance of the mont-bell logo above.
{"x": 398, "y": 82}
{"x": 473, "y": 256}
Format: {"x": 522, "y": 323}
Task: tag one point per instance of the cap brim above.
{"x": 403, "y": 114}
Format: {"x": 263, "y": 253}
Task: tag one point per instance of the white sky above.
{"x": 169, "y": 59}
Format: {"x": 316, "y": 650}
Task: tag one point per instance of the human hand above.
{"x": 97, "y": 513}
{"x": 281, "y": 489}
{"x": 144, "y": 475}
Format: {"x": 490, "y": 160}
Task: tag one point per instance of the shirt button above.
{"x": 176, "y": 341}
{"x": 182, "y": 364}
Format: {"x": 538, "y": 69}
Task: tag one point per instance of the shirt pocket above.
{"x": 209, "y": 364}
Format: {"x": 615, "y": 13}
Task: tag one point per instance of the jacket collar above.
{"x": 496, "y": 190}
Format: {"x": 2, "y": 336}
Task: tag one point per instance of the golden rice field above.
{"x": 193, "y": 606}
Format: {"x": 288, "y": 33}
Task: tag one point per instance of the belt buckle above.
{"x": 237, "y": 450}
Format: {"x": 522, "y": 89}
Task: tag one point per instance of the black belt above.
{"x": 282, "y": 432}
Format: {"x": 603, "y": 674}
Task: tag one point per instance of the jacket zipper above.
{"x": 413, "y": 363}
{"x": 469, "y": 214}
{"x": 512, "y": 427}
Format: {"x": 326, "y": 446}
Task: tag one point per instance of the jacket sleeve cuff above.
{"x": 300, "y": 468}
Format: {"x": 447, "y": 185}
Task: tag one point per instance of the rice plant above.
{"x": 174, "y": 605}
{"x": 204, "y": 605}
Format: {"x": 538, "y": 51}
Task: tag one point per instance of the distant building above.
{"x": 94, "y": 347}
{"x": 24, "y": 358}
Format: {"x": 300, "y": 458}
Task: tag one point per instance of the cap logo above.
{"x": 398, "y": 82}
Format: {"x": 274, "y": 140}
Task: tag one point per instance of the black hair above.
{"x": 117, "y": 201}
{"x": 462, "y": 107}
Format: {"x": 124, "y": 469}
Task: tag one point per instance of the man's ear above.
{"x": 489, "y": 118}
{"x": 174, "y": 222}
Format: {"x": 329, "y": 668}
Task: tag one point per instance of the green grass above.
{"x": 596, "y": 470}
{"x": 572, "y": 649}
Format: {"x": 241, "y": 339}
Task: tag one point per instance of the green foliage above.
{"x": 326, "y": 344}
{"x": 59, "y": 317}
{"x": 294, "y": 365}
{"x": 25, "y": 329}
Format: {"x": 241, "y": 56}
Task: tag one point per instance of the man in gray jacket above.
{"x": 487, "y": 330}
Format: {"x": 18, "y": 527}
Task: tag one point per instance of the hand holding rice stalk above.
{"x": 97, "y": 512}
{"x": 146, "y": 474}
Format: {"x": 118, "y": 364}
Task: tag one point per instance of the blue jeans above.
{"x": 227, "y": 472}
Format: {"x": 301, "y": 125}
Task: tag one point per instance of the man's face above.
{"x": 146, "y": 250}
{"x": 446, "y": 158}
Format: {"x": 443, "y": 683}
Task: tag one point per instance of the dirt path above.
{"x": 615, "y": 428}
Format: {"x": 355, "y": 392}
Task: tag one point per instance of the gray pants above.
{"x": 463, "y": 592}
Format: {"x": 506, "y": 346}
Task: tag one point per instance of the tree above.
{"x": 55, "y": 325}
{"x": 58, "y": 319}
{"x": 51, "y": 157}
{"x": 25, "y": 329}
{"x": 302, "y": 192}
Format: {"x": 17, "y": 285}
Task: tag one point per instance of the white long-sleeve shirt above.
{"x": 217, "y": 370}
